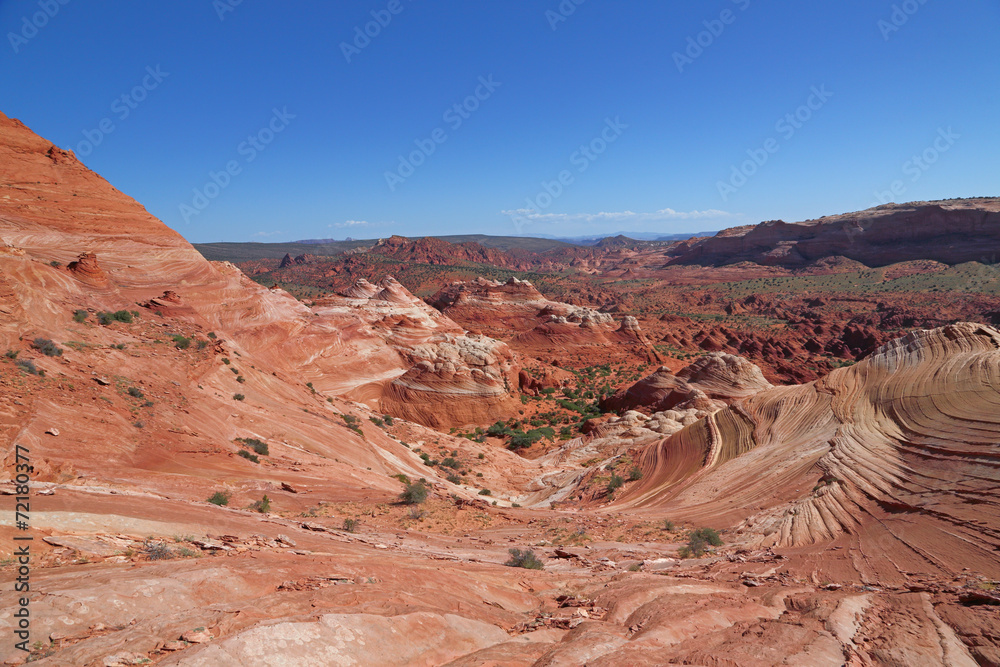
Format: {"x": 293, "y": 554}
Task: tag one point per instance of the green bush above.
{"x": 485, "y": 492}
{"x": 106, "y": 318}
{"x": 263, "y": 505}
{"x": 452, "y": 463}
{"x": 414, "y": 494}
{"x": 220, "y": 498}
{"x": 351, "y": 525}
{"x": 258, "y": 446}
{"x": 80, "y": 315}
{"x": 454, "y": 479}
{"x": 11, "y": 354}
{"x": 156, "y": 550}
{"x": 699, "y": 542}
{"x": 248, "y": 456}
{"x": 634, "y": 475}
{"x": 181, "y": 342}
{"x": 47, "y": 347}
{"x": 238, "y": 397}
{"x": 615, "y": 483}
{"x": 135, "y": 392}
{"x": 28, "y": 366}
{"x": 524, "y": 559}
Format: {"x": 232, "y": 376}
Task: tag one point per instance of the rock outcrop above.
{"x": 890, "y": 458}
{"x": 952, "y": 231}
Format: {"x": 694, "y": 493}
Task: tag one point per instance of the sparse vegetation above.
{"x": 47, "y": 347}
{"x": 80, "y": 316}
{"x": 699, "y": 543}
{"x": 263, "y": 505}
{"x": 615, "y": 483}
{"x": 28, "y": 366}
{"x": 156, "y": 550}
{"x": 220, "y": 498}
{"x": 135, "y": 392}
{"x": 634, "y": 474}
{"x": 248, "y": 456}
{"x": 11, "y": 354}
{"x": 414, "y": 494}
{"x": 238, "y": 397}
{"x": 256, "y": 445}
{"x": 181, "y": 342}
{"x": 351, "y": 525}
{"x": 524, "y": 559}
{"x": 105, "y": 318}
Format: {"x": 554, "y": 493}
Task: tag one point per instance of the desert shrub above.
{"x": 211, "y": 334}
{"x": 402, "y": 478}
{"x": 11, "y": 354}
{"x": 238, "y": 397}
{"x": 220, "y": 498}
{"x": 378, "y": 422}
{"x": 389, "y": 421}
{"x": 181, "y": 342}
{"x": 615, "y": 483}
{"x": 248, "y": 456}
{"x": 699, "y": 542}
{"x": 351, "y": 525}
{"x": 28, "y": 366}
{"x": 454, "y": 479}
{"x": 634, "y": 475}
{"x": 451, "y": 462}
{"x": 524, "y": 559}
{"x": 202, "y": 344}
{"x": 46, "y": 347}
{"x": 135, "y": 392}
{"x": 414, "y": 494}
{"x": 156, "y": 550}
{"x": 668, "y": 525}
{"x": 485, "y": 492}
{"x": 80, "y": 315}
{"x": 258, "y": 446}
{"x": 106, "y": 318}
{"x": 417, "y": 514}
{"x": 263, "y": 505}
{"x": 119, "y": 346}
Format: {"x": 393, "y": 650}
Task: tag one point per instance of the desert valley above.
{"x": 779, "y": 444}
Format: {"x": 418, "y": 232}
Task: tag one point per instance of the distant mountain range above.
{"x": 574, "y": 240}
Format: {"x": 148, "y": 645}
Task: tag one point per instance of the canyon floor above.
{"x": 778, "y": 445}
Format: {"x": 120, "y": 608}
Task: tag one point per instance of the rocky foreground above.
{"x": 858, "y": 512}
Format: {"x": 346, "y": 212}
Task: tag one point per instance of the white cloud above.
{"x": 663, "y": 215}
{"x": 360, "y": 223}
{"x": 268, "y": 233}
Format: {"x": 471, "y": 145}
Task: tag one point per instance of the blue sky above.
{"x": 593, "y": 95}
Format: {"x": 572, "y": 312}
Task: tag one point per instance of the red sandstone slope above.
{"x": 52, "y": 209}
{"x": 892, "y": 461}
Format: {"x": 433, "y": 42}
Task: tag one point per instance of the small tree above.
{"x": 699, "y": 542}
{"x": 263, "y": 505}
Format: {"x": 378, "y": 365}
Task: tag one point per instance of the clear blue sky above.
{"x": 324, "y": 173}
